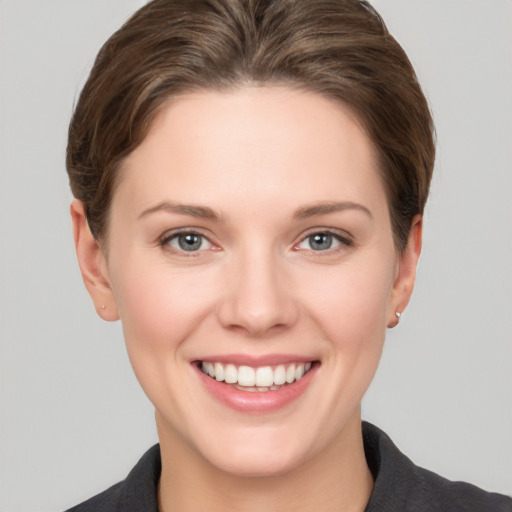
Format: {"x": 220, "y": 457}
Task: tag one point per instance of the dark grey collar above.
{"x": 400, "y": 486}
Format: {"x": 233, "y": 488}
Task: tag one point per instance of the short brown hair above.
{"x": 338, "y": 48}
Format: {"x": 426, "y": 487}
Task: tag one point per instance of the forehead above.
{"x": 255, "y": 143}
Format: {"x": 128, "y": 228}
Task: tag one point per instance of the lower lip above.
{"x": 256, "y": 401}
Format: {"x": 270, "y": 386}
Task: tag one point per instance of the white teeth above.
{"x": 290, "y": 374}
{"x": 219, "y": 372}
{"x": 246, "y": 376}
{"x": 263, "y": 378}
{"x": 299, "y": 371}
{"x": 280, "y": 375}
{"x": 231, "y": 374}
{"x": 243, "y": 388}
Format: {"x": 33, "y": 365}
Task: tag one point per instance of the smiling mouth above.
{"x": 251, "y": 379}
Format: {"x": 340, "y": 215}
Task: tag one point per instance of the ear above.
{"x": 406, "y": 272}
{"x": 93, "y": 264}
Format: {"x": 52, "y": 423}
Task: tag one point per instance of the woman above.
{"x": 250, "y": 179}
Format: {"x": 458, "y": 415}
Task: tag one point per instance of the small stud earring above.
{"x": 397, "y": 321}
{"x": 103, "y": 306}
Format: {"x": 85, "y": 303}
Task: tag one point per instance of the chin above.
{"x": 260, "y": 465}
{"x": 253, "y": 454}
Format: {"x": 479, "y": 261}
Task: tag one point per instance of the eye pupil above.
{"x": 190, "y": 242}
{"x": 320, "y": 241}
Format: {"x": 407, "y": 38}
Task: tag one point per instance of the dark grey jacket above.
{"x": 399, "y": 485}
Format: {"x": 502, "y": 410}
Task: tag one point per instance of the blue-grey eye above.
{"x": 320, "y": 241}
{"x": 189, "y": 242}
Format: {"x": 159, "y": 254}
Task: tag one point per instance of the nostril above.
{"x": 256, "y": 300}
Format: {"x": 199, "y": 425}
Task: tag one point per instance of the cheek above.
{"x": 158, "y": 306}
{"x": 351, "y": 302}
{"x": 351, "y": 309}
{"x": 159, "y": 310}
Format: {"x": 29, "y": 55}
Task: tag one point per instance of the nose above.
{"x": 258, "y": 298}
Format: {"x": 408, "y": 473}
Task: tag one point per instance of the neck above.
{"x": 336, "y": 479}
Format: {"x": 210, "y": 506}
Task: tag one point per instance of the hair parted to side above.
{"x": 338, "y": 48}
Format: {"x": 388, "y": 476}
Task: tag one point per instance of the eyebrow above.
{"x": 205, "y": 212}
{"x": 191, "y": 210}
{"x": 329, "y": 207}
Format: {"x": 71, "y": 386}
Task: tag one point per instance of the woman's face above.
{"x": 250, "y": 238}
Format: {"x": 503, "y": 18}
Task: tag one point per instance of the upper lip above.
{"x": 255, "y": 361}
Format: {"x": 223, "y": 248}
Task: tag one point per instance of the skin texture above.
{"x": 256, "y": 158}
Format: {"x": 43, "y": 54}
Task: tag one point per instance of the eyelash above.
{"x": 344, "y": 241}
{"x": 165, "y": 242}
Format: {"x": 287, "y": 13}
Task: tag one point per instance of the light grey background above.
{"x": 72, "y": 417}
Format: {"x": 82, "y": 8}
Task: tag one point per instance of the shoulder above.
{"x": 401, "y": 485}
{"x": 106, "y": 501}
{"x": 138, "y": 492}
{"x": 458, "y": 496}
